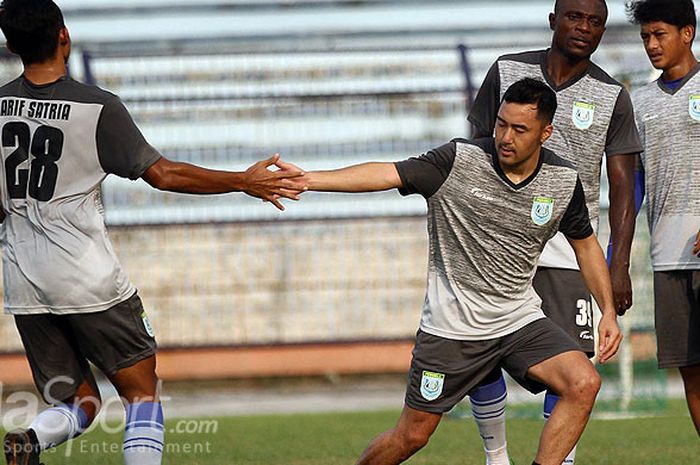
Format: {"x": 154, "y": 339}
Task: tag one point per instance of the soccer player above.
{"x": 70, "y": 298}
{"x": 594, "y": 117}
{"x": 668, "y": 116}
{"x": 492, "y": 206}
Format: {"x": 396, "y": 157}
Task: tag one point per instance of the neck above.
{"x": 519, "y": 172}
{"x": 681, "y": 69}
{"x": 46, "y": 72}
{"x": 561, "y": 68}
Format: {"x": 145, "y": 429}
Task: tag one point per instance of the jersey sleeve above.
{"x": 485, "y": 108}
{"x": 425, "y": 174}
{"x": 623, "y": 137}
{"x": 576, "y": 224}
{"x": 121, "y": 148}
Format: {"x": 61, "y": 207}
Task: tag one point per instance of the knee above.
{"x": 413, "y": 440}
{"x": 585, "y": 386}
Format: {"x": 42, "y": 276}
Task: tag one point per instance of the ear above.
{"x": 546, "y": 133}
{"x": 63, "y": 37}
{"x": 552, "y": 21}
{"x": 687, "y": 34}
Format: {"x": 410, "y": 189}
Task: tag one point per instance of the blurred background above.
{"x": 321, "y": 302}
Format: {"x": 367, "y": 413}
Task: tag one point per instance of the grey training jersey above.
{"x": 59, "y": 141}
{"x": 486, "y": 235}
{"x": 669, "y": 122}
{"x": 594, "y": 116}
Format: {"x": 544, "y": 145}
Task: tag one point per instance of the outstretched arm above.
{"x": 257, "y": 181}
{"x": 696, "y": 246}
{"x": 597, "y": 278}
{"x": 366, "y": 177}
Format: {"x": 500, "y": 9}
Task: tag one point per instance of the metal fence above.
{"x": 227, "y": 270}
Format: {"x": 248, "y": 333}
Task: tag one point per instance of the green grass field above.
{"x": 329, "y": 439}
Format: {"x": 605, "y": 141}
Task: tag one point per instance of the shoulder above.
{"x": 9, "y": 88}
{"x": 597, "y": 73}
{"x": 484, "y": 145}
{"x": 86, "y": 93}
{"x": 552, "y": 159}
{"x": 529, "y": 57}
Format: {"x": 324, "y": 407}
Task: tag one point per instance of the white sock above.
{"x": 489, "y": 410}
{"x": 144, "y": 433}
{"x": 56, "y": 425}
{"x": 569, "y": 460}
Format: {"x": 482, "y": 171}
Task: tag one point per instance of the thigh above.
{"x": 562, "y": 370}
{"x": 677, "y": 317}
{"x": 567, "y": 301}
{"x": 443, "y": 371}
{"x": 539, "y": 341}
{"x": 116, "y": 338}
{"x": 57, "y": 364}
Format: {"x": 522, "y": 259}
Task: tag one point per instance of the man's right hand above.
{"x": 271, "y": 186}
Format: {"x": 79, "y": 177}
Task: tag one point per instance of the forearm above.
{"x": 622, "y": 213}
{"x": 595, "y": 272}
{"x": 366, "y": 177}
{"x": 191, "y": 179}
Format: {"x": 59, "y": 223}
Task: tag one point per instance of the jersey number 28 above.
{"x": 39, "y": 181}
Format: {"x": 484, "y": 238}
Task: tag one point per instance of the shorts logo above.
{"x": 147, "y": 324}
{"x": 541, "y": 211}
{"x": 582, "y": 115}
{"x": 586, "y": 335}
{"x": 431, "y": 385}
{"x": 694, "y": 106}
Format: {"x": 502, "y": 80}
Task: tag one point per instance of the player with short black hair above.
{"x": 70, "y": 298}
{"x": 594, "y": 117}
{"x": 492, "y": 206}
{"x": 668, "y": 116}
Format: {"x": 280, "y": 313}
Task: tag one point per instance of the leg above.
{"x": 567, "y": 301}
{"x": 144, "y": 431}
{"x": 488, "y": 404}
{"x": 410, "y": 434}
{"x": 691, "y": 381}
{"x": 572, "y": 375}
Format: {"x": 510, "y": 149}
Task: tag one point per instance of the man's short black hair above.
{"x": 557, "y": 6}
{"x": 31, "y": 28}
{"x": 679, "y": 13}
{"x": 532, "y": 91}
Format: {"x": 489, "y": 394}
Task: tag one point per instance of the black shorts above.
{"x": 444, "y": 371}
{"x": 567, "y": 301}
{"x": 677, "y": 315}
{"x": 59, "y": 347}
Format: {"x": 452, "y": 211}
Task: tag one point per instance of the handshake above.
{"x": 287, "y": 181}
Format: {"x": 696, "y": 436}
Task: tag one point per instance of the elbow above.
{"x": 160, "y": 175}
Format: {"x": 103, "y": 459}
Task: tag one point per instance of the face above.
{"x": 519, "y": 133}
{"x": 578, "y": 27}
{"x": 666, "y": 45}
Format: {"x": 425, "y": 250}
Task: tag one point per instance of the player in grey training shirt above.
{"x": 71, "y": 300}
{"x": 594, "y": 117}
{"x": 492, "y": 207}
{"x": 668, "y": 116}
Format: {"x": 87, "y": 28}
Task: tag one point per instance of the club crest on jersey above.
{"x": 582, "y": 115}
{"x": 431, "y": 385}
{"x": 694, "y": 106}
{"x": 147, "y": 324}
{"x": 541, "y": 211}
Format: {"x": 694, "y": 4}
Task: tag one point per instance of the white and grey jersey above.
{"x": 669, "y": 123}
{"x": 59, "y": 141}
{"x": 487, "y": 233}
{"x": 594, "y": 116}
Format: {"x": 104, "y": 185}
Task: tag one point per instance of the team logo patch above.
{"x": 431, "y": 385}
{"x": 694, "y": 106}
{"x": 582, "y": 115}
{"x": 542, "y": 210}
{"x": 147, "y": 324}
